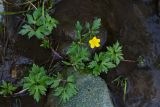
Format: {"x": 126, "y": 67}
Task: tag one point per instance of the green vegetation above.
{"x": 6, "y": 88}
{"x": 45, "y": 43}
{"x": 91, "y": 30}
{"x": 101, "y": 63}
{"x": 115, "y": 53}
{"x": 65, "y": 89}
{"x": 104, "y": 61}
{"x": 140, "y": 61}
{"x": 38, "y": 25}
{"x": 122, "y": 82}
{"x": 78, "y": 52}
{"x": 36, "y": 82}
{"x": 80, "y": 57}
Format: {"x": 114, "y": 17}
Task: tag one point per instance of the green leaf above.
{"x": 115, "y": 53}
{"x": 92, "y": 64}
{"x": 65, "y": 93}
{"x": 96, "y": 24}
{"x": 88, "y": 26}
{"x": 26, "y": 27}
{"x": 66, "y": 63}
{"x": 45, "y": 44}
{"x": 55, "y": 83}
{"x": 7, "y": 88}
{"x": 39, "y": 34}
{"x": 78, "y": 55}
{"x": 30, "y": 19}
{"x": 23, "y": 31}
{"x": 42, "y": 90}
{"x": 101, "y": 63}
{"x": 71, "y": 78}
{"x": 96, "y": 71}
{"x": 40, "y": 21}
{"x": 78, "y": 30}
{"x": 78, "y": 26}
{"x": 64, "y": 89}
{"x": 38, "y": 25}
{"x": 105, "y": 61}
{"x": 96, "y": 57}
{"x": 36, "y": 82}
{"x": 31, "y": 34}
{"x": 37, "y": 13}
{"x": 37, "y": 95}
{"x": 11, "y": 13}
{"x": 58, "y": 91}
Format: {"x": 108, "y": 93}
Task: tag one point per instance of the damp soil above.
{"x": 134, "y": 23}
{"x": 23, "y": 101}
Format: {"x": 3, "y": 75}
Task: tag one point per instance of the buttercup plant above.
{"x": 79, "y": 56}
{"x": 36, "y": 82}
{"x": 7, "y": 88}
{"x": 91, "y": 31}
{"x": 65, "y": 89}
{"x": 100, "y": 64}
{"x": 38, "y": 25}
{"x": 115, "y": 53}
{"x": 78, "y": 52}
{"x": 106, "y": 60}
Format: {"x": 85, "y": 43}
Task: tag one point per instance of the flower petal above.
{"x": 90, "y": 41}
{"x": 97, "y": 45}
{"x": 92, "y": 46}
{"x": 98, "y": 40}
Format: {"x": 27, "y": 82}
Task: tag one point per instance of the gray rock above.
{"x": 92, "y": 92}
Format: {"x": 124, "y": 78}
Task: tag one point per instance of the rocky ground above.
{"x": 135, "y": 23}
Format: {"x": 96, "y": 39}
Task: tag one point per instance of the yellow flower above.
{"x": 95, "y": 42}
